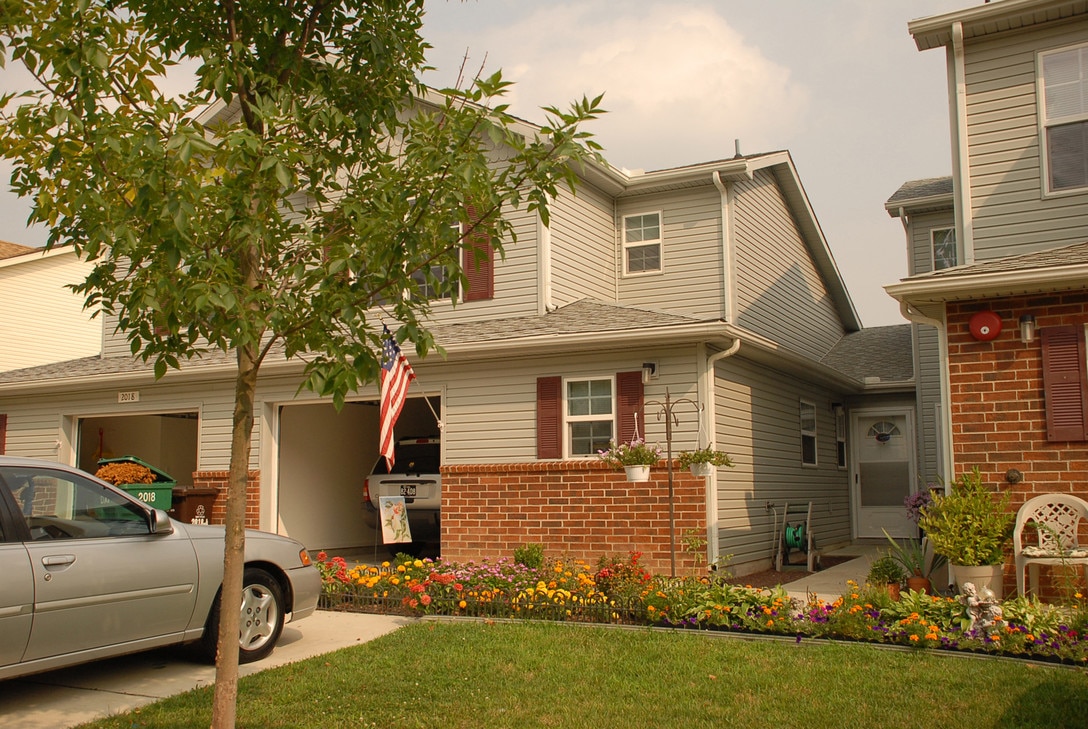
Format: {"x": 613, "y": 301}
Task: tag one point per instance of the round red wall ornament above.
{"x": 985, "y": 326}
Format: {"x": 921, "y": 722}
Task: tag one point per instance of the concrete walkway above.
{"x": 71, "y": 696}
{"x": 829, "y": 584}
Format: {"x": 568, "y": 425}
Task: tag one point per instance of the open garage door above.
{"x": 167, "y": 441}
{"x": 324, "y": 457}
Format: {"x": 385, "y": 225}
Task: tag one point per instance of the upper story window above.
{"x": 434, "y": 282}
{"x": 1064, "y": 79}
{"x": 945, "y": 252}
{"x": 808, "y": 433}
{"x": 589, "y": 415}
{"x": 642, "y": 243}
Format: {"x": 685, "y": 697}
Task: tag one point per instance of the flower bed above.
{"x": 620, "y": 591}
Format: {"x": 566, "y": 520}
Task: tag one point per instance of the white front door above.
{"x": 883, "y": 472}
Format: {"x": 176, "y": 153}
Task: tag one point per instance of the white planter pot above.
{"x": 701, "y": 470}
{"x": 637, "y": 473}
{"x": 981, "y": 576}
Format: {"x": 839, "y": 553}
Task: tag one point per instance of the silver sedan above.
{"x": 87, "y": 572}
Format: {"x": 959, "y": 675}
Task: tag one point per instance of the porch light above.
{"x": 1027, "y": 328}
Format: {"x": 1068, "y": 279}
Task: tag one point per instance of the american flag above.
{"x": 397, "y": 374}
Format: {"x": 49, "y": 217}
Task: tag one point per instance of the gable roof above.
{"x": 990, "y": 18}
{"x": 1057, "y": 269}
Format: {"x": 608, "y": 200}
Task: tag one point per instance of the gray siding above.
{"x": 691, "y": 278}
{"x": 758, "y": 425}
{"x": 927, "y": 370}
{"x": 1011, "y": 214}
{"x": 780, "y": 293}
{"x": 920, "y": 255}
{"x": 583, "y": 231}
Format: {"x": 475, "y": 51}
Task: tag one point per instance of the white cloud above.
{"x": 680, "y": 83}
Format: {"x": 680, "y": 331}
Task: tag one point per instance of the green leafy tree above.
{"x": 307, "y": 181}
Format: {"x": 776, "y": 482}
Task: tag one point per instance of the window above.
{"x": 58, "y": 505}
{"x": 945, "y": 252}
{"x": 642, "y": 243}
{"x": 840, "y": 435}
{"x": 1064, "y": 78}
{"x": 808, "y": 433}
{"x": 589, "y": 416}
{"x": 577, "y": 417}
{"x": 434, "y": 282}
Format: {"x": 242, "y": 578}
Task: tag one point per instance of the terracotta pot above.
{"x": 893, "y": 591}
{"x": 919, "y": 584}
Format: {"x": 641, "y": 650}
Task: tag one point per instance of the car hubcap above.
{"x": 259, "y": 617}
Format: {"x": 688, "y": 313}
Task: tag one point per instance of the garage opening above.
{"x": 168, "y": 441}
{"x": 324, "y": 459}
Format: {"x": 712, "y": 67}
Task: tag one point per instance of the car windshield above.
{"x": 417, "y": 456}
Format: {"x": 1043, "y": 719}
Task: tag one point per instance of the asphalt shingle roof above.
{"x": 1071, "y": 255}
{"x": 10, "y": 250}
{"x": 921, "y": 189}
{"x": 883, "y": 352}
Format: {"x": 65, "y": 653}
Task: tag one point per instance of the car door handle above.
{"x": 58, "y": 560}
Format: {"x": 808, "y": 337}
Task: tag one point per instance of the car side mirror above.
{"x": 160, "y": 522}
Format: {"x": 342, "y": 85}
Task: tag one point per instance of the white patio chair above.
{"x": 1056, "y": 521}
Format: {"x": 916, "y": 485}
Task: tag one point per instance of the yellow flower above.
{"x": 914, "y": 638}
{"x": 462, "y": 604}
{"x": 418, "y": 563}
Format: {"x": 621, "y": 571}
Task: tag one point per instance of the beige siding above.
{"x": 928, "y": 377}
{"x": 1010, "y": 212}
{"x": 583, "y": 231}
{"x": 921, "y": 240}
{"x": 41, "y": 321}
{"x": 691, "y": 278}
{"x": 780, "y": 293}
{"x": 758, "y": 425}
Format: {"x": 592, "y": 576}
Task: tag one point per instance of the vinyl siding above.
{"x": 691, "y": 278}
{"x": 921, "y": 239}
{"x": 780, "y": 293}
{"x": 1011, "y": 215}
{"x": 583, "y": 262}
{"x": 757, "y": 411}
{"x": 41, "y": 321}
{"x": 928, "y": 377}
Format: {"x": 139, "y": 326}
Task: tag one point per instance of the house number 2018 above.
{"x": 130, "y": 396}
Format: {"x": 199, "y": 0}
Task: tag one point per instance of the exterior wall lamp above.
{"x": 1027, "y": 328}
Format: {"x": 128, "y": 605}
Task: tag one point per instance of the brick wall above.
{"x": 218, "y": 480}
{"x": 997, "y": 406}
{"x": 577, "y": 509}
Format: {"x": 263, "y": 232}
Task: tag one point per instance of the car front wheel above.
{"x": 261, "y": 620}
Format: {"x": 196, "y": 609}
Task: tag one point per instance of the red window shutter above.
{"x": 629, "y": 406}
{"x": 479, "y": 261}
{"x": 548, "y": 417}
{"x": 1065, "y": 383}
{"x": 3, "y": 433}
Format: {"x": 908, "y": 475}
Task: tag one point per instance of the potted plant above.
{"x": 918, "y": 559}
{"x": 702, "y": 460}
{"x": 886, "y": 572}
{"x": 970, "y": 526}
{"x": 635, "y": 458}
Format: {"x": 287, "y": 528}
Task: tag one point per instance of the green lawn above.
{"x": 480, "y": 675}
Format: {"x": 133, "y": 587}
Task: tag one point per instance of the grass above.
{"x": 488, "y": 674}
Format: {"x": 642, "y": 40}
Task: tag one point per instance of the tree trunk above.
{"x": 224, "y": 708}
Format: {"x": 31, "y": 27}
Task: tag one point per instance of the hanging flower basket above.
{"x": 635, "y": 453}
{"x": 701, "y": 470}
{"x": 637, "y": 473}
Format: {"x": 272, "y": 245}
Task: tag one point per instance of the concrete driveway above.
{"x": 71, "y": 696}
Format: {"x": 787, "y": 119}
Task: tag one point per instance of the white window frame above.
{"x": 933, "y": 247}
{"x": 808, "y": 433}
{"x": 841, "y": 454}
{"x": 569, "y": 420}
{"x": 660, "y": 241}
{"x": 1046, "y": 123}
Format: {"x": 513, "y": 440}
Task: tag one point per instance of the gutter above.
{"x": 949, "y": 287}
{"x": 947, "y": 464}
{"x": 709, "y": 415}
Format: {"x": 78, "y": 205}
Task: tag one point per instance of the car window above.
{"x": 61, "y": 505}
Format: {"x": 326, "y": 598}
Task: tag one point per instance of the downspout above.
{"x": 729, "y": 287}
{"x": 961, "y": 163}
{"x": 917, "y": 317}
{"x": 710, "y": 415}
{"x": 544, "y": 280}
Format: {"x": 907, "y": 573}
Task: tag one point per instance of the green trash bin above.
{"x": 157, "y": 494}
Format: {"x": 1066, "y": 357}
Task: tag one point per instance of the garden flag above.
{"x": 396, "y": 376}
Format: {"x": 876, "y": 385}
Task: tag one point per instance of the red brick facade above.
{"x": 576, "y": 509}
{"x": 997, "y": 403}
{"x": 218, "y": 480}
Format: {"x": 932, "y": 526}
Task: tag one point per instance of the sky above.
{"x": 838, "y": 83}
